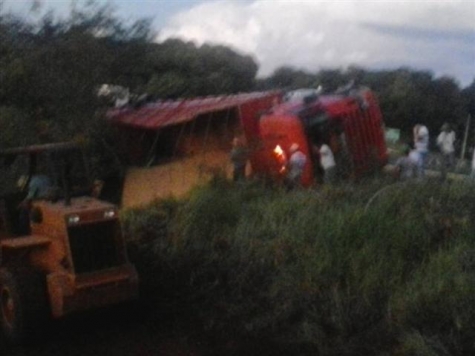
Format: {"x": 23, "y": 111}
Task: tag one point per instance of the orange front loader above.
{"x": 71, "y": 257}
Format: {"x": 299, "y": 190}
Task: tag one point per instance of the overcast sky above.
{"x": 435, "y": 35}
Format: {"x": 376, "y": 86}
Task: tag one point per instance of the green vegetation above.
{"x": 335, "y": 271}
{"x": 51, "y": 69}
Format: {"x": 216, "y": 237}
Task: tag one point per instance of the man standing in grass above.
{"x": 295, "y": 167}
{"x": 239, "y": 156}
{"x": 327, "y": 161}
{"x": 421, "y": 144}
{"x": 407, "y": 165}
{"x": 445, "y": 141}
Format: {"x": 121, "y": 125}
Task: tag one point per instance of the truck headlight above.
{"x": 73, "y": 219}
{"x": 109, "y": 213}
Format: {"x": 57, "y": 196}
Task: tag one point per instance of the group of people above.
{"x": 295, "y": 164}
{"x": 298, "y": 159}
{"x": 414, "y": 161}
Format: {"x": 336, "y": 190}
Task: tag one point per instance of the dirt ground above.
{"x": 121, "y": 331}
{"x": 116, "y": 331}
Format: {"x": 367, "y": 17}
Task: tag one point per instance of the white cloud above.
{"x": 438, "y": 35}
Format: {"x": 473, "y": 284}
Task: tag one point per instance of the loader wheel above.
{"x": 22, "y": 303}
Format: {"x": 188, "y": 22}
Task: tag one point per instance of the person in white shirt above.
{"x": 327, "y": 161}
{"x": 406, "y": 165}
{"x": 445, "y": 141}
{"x": 421, "y": 144}
{"x": 414, "y": 155}
{"x": 295, "y": 166}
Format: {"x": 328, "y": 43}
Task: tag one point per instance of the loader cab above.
{"x": 24, "y": 170}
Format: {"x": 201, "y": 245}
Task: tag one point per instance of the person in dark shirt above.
{"x": 239, "y": 156}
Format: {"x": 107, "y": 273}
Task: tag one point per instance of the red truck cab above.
{"x": 349, "y": 122}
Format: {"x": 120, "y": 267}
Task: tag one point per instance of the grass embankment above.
{"x": 317, "y": 272}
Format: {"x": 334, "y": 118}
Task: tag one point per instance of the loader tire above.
{"x": 22, "y": 303}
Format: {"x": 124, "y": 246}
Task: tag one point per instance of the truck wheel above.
{"x": 22, "y": 303}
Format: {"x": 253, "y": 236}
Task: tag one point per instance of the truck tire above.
{"x": 22, "y": 303}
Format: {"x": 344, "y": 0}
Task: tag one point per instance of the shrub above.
{"x": 356, "y": 269}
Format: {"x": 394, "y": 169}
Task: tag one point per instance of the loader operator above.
{"x": 39, "y": 187}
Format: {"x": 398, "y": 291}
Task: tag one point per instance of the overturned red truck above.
{"x": 184, "y": 139}
{"x": 349, "y": 121}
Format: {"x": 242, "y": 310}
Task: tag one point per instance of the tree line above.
{"x": 50, "y": 70}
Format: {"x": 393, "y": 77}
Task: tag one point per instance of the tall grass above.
{"x": 362, "y": 269}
